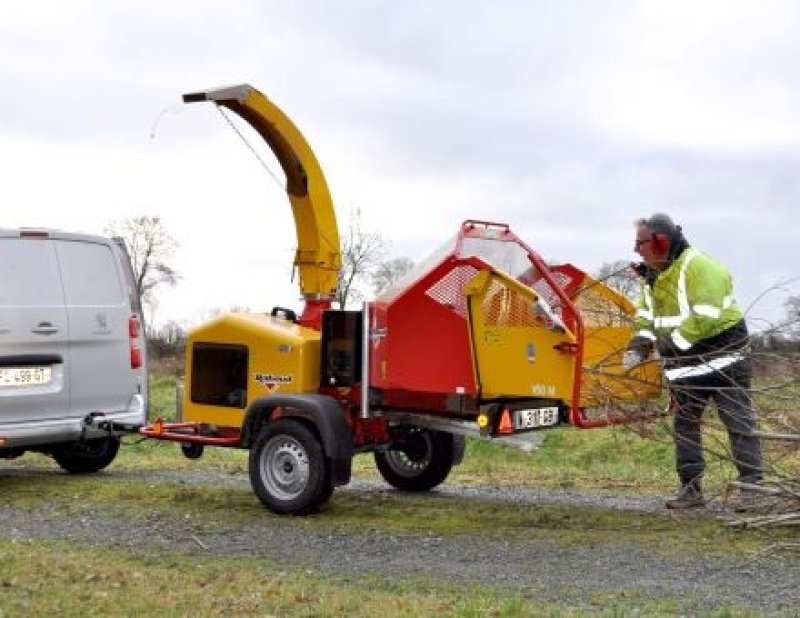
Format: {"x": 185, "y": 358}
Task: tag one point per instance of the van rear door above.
{"x": 99, "y": 313}
{"x": 34, "y": 373}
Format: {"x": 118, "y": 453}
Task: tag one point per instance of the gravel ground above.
{"x": 535, "y": 568}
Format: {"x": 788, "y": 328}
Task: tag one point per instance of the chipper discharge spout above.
{"x": 318, "y": 256}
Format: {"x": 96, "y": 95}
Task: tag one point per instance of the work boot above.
{"x": 689, "y": 496}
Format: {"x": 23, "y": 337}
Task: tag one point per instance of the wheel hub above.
{"x": 284, "y": 467}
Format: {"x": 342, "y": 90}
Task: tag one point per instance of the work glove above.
{"x": 631, "y": 358}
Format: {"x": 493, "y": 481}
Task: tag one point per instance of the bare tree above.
{"x": 361, "y": 252}
{"x": 620, "y": 276}
{"x": 388, "y": 272}
{"x": 151, "y": 247}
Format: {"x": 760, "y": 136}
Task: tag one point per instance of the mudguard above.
{"x": 323, "y": 413}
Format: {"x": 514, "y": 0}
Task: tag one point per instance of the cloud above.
{"x": 566, "y": 120}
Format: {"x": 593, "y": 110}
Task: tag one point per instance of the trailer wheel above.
{"x": 420, "y": 460}
{"x": 327, "y": 488}
{"x": 86, "y": 456}
{"x": 192, "y": 450}
{"x": 287, "y": 468}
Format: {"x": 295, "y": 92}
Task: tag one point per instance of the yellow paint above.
{"x": 503, "y": 325}
{"x": 318, "y": 256}
{"x": 276, "y": 348}
{"x": 607, "y": 316}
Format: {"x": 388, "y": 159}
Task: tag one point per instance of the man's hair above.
{"x": 660, "y": 223}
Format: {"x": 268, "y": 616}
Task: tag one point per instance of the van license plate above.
{"x": 536, "y": 417}
{"x": 24, "y": 376}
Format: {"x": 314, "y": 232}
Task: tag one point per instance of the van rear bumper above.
{"x": 53, "y": 431}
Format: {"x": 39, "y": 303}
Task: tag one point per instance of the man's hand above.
{"x": 631, "y": 358}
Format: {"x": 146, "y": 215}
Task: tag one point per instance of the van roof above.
{"x": 42, "y": 232}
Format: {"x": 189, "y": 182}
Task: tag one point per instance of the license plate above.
{"x": 536, "y": 417}
{"x": 24, "y": 376}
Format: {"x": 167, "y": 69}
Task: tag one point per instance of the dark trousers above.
{"x": 729, "y": 389}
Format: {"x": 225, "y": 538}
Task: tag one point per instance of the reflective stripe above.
{"x": 680, "y": 341}
{"x": 647, "y": 334}
{"x": 683, "y": 297}
{"x": 727, "y": 301}
{"x": 673, "y": 321}
{"x": 708, "y": 311}
{"x": 704, "y": 369}
{"x": 646, "y": 312}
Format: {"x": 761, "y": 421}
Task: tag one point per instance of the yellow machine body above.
{"x": 521, "y": 350}
{"x": 515, "y": 350}
{"x": 236, "y": 358}
{"x": 608, "y": 327}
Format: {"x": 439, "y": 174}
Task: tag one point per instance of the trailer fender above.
{"x": 323, "y": 413}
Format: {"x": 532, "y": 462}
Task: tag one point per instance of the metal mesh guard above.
{"x": 449, "y": 290}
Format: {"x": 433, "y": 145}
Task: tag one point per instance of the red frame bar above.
{"x": 161, "y": 430}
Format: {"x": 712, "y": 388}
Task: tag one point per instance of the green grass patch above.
{"x": 162, "y": 396}
{"x": 51, "y": 578}
{"x": 57, "y": 579}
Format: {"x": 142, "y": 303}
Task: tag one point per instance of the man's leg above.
{"x": 689, "y": 461}
{"x": 735, "y": 407}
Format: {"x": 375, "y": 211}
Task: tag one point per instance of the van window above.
{"x": 90, "y": 274}
{"x": 29, "y": 274}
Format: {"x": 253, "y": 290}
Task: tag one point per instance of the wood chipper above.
{"x": 482, "y": 338}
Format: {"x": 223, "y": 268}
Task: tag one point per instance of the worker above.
{"x": 687, "y": 314}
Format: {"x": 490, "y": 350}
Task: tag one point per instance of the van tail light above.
{"x": 134, "y": 331}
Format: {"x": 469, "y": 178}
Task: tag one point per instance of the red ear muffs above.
{"x": 660, "y": 242}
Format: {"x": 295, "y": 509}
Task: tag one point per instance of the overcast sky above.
{"x": 565, "y": 119}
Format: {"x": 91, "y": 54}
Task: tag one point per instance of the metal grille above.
{"x": 449, "y": 290}
{"x": 504, "y": 306}
{"x": 598, "y": 309}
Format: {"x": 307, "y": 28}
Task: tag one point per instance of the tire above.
{"x": 287, "y": 468}
{"x": 192, "y": 450}
{"x": 326, "y": 490}
{"x": 420, "y": 460}
{"x": 86, "y": 456}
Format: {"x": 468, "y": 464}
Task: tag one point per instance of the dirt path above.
{"x": 570, "y": 574}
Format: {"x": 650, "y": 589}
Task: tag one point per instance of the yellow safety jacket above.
{"x": 689, "y": 308}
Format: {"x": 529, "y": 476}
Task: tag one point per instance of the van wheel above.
{"x": 86, "y": 456}
{"x": 287, "y": 468}
{"x": 419, "y": 460}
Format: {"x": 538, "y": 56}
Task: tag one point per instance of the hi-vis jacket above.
{"x": 688, "y": 312}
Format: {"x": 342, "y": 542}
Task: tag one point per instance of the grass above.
{"x": 45, "y": 578}
{"x": 57, "y": 579}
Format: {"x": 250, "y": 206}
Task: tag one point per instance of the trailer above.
{"x": 481, "y": 338}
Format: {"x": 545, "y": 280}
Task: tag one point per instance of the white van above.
{"x": 73, "y": 371}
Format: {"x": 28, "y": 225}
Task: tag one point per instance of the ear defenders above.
{"x": 660, "y": 242}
